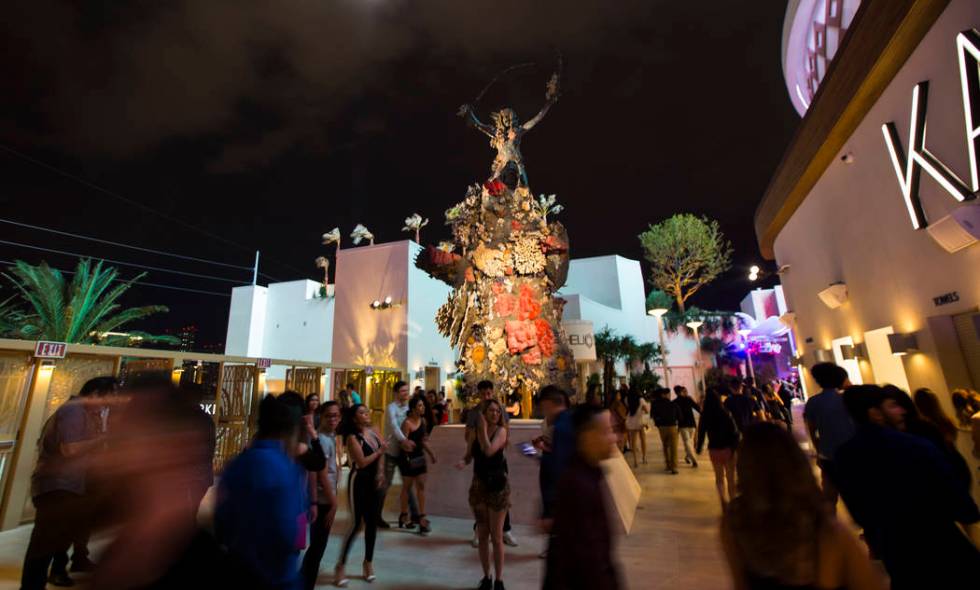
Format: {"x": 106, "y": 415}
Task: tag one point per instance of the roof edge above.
{"x": 881, "y": 38}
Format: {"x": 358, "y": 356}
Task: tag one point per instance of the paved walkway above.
{"x": 674, "y": 543}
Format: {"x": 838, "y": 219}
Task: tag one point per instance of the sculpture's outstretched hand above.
{"x": 553, "y": 89}
{"x": 464, "y": 110}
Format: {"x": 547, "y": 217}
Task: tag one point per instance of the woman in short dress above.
{"x": 719, "y": 427}
{"x": 638, "y": 411}
{"x": 411, "y": 464}
{"x": 490, "y": 490}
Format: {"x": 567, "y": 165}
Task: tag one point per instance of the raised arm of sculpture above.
{"x": 551, "y": 96}
{"x": 466, "y": 111}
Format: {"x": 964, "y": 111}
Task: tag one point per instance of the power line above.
{"x": 129, "y": 201}
{"x": 120, "y": 244}
{"x": 145, "y": 284}
{"x": 123, "y": 263}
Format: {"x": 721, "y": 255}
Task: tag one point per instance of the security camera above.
{"x": 847, "y": 158}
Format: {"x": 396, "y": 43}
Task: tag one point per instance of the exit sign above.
{"x": 263, "y": 363}
{"x": 50, "y": 350}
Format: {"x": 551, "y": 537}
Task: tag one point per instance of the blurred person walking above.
{"x": 686, "y": 424}
{"x": 779, "y": 533}
{"x": 489, "y": 494}
{"x": 927, "y": 403}
{"x": 366, "y": 450}
{"x": 718, "y": 426}
{"x": 325, "y": 483}
{"x": 68, "y": 441}
{"x": 261, "y": 511}
{"x": 829, "y": 423}
{"x": 556, "y": 445}
{"x": 638, "y": 412}
{"x": 580, "y": 555}
{"x": 398, "y": 444}
{"x": 741, "y": 404}
{"x": 412, "y": 465}
{"x": 157, "y": 464}
{"x": 902, "y": 490}
{"x": 666, "y": 416}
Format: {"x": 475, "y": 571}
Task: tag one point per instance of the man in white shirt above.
{"x": 397, "y": 442}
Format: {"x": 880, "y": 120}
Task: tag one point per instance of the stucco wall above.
{"x": 854, "y": 226}
{"x": 426, "y": 347}
{"x": 363, "y": 335}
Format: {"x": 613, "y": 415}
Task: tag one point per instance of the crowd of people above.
{"x": 138, "y": 459}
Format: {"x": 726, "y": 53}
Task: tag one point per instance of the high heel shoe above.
{"x": 339, "y": 577}
{"x": 369, "y": 572}
{"x": 424, "y": 525}
{"x": 404, "y": 523}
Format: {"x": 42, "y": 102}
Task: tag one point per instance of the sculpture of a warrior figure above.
{"x": 505, "y": 136}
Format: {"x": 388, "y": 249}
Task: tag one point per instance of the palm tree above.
{"x": 84, "y": 310}
{"x": 607, "y": 350}
{"x": 648, "y": 353}
{"x": 10, "y": 317}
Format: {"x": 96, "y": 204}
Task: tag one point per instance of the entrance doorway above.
{"x": 432, "y": 378}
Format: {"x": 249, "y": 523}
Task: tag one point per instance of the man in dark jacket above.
{"x": 666, "y": 416}
{"x": 902, "y": 490}
{"x": 687, "y": 425}
{"x": 580, "y": 554}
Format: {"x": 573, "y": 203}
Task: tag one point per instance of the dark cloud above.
{"x": 120, "y": 77}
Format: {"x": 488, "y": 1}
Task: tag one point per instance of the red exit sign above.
{"x": 50, "y": 350}
{"x": 263, "y": 363}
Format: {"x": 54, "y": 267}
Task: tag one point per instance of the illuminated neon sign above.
{"x": 909, "y": 168}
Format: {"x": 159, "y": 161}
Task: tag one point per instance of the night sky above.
{"x": 223, "y": 127}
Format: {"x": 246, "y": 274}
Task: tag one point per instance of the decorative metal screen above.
{"x": 303, "y": 380}
{"x": 234, "y": 412}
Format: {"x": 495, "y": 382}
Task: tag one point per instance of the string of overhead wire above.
{"x": 144, "y": 283}
{"x": 131, "y": 247}
{"x": 121, "y": 262}
{"x": 133, "y": 203}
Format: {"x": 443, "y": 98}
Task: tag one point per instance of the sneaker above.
{"x": 475, "y": 541}
{"x": 498, "y": 585}
{"x": 60, "y": 579}
{"x": 694, "y": 463}
{"x": 509, "y": 540}
{"x": 485, "y": 584}
{"x": 687, "y": 460}
{"x": 674, "y": 472}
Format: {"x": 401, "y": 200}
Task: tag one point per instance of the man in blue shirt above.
{"x": 828, "y": 423}
{"x": 262, "y": 505}
{"x": 903, "y": 491}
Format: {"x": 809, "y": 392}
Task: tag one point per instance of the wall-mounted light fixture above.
{"x": 834, "y": 296}
{"x": 857, "y": 351}
{"x": 47, "y": 366}
{"x": 902, "y": 344}
{"x": 822, "y": 355}
{"x": 385, "y": 303}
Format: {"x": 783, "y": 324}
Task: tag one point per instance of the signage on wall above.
{"x": 50, "y": 350}
{"x": 946, "y": 298}
{"x": 908, "y": 169}
{"x": 580, "y": 339}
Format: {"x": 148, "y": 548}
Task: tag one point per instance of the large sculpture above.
{"x": 505, "y": 263}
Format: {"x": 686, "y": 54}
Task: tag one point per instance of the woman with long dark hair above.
{"x": 637, "y": 410}
{"x": 779, "y": 532}
{"x": 490, "y": 490}
{"x": 366, "y": 450}
{"x": 718, "y": 426}
{"x": 313, "y": 409}
{"x": 412, "y": 465}
{"x": 929, "y": 408}
{"x": 915, "y": 424}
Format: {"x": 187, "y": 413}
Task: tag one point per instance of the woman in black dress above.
{"x": 366, "y": 450}
{"x": 490, "y": 490}
{"x": 411, "y": 464}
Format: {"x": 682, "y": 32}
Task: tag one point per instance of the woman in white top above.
{"x": 638, "y": 409}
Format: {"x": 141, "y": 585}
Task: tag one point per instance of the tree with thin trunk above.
{"x": 686, "y": 253}
{"x": 84, "y": 310}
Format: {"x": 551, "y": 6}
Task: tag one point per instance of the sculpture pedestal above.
{"x": 447, "y": 488}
